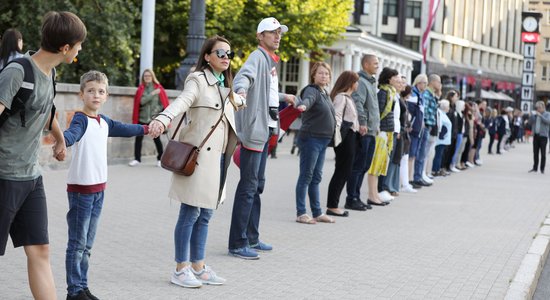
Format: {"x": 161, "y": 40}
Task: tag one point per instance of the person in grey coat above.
{"x": 366, "y": 102}
{"x": 257, "y": 81}
{"x": 540, "y": 124}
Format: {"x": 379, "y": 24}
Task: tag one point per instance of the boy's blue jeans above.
{"x": 312, "y": 159}
{"x": 82, "y": 220}
{"x": 191, "y": 233}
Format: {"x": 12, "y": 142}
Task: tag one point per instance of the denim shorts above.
{"x": 23, "y": 213}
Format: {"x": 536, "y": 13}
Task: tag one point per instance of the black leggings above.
{"x": 345, "y": 155}
{"x": 137, "y": 147}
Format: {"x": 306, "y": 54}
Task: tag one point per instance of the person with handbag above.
{"x": 209, "y": 103}
{"x": 150, "y": 99}
{"x": 318, "y": 126}
{"x": 347, "y": 123}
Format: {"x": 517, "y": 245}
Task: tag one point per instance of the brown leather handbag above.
{"x": 181, "y": 158}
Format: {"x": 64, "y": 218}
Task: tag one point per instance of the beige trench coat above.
{"x": 202, "y": 102}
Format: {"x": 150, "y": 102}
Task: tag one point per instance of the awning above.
{"x": 491, "y": 95}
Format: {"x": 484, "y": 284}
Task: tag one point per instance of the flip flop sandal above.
{"x": 325, "y": 219}
{"x": 305, "y": 219}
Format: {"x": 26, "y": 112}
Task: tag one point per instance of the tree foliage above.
{"x": 111, "y": 45}
{"x": 114, "y": 29}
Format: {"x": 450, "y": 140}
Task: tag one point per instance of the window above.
{"x": 412, "y": 42}
{"x": 289, "y": 76}
{"x": 546, "y": 44}
{"x": 414, "y": 11}
{"x": 390, "y": 8}
{"x": 548, "y": 16}
{"x": 389, "y": 37}
{"x": 544, "y": 73}
{"x": 366, "y": 7}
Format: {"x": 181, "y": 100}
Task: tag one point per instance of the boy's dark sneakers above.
{"x": 80, "y": 296}
{"x": 90, "y": 295}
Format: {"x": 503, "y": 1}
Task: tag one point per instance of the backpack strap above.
{"x": 52, "y": 113}
{"x": 25, "y": 90}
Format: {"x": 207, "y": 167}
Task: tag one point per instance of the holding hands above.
{"x": 156, "y": 128}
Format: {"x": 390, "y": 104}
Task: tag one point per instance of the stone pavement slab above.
{"x": 463, "y": 238}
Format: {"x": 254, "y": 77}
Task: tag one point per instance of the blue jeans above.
{"x": 312, "y": 159}
{"x": 438, "y": 157}
{"x": 245, "y": 218}
{"x": 82, "y": 220}
{"x": 458, "y": 143}
{"x": 191, "y": 233}
{"x": 361, "y": 164}
{"x": 422, "y": 153}
{"x": 391, "y": 180}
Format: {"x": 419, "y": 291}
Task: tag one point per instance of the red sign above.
{"x": 530, "y": 37}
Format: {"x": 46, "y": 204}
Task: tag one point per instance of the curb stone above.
{"x": 525, "y": 281}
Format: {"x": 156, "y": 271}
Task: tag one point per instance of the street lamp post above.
{"x": 478, "y": 84}
{"x": 195, "y": 39}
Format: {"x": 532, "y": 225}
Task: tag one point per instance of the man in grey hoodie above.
{"x": 366, "y": 102}
{"x": 257, "y": 81}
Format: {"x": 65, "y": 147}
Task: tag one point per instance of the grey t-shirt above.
{"x": 20, "y": 146}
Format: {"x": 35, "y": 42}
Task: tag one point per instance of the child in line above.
{"x": 88, "y": 132}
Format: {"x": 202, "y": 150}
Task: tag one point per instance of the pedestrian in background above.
{"x": 11, "y": 46}
{"x": 415, "y": 105}
{"x": 318, "y": 126}
{"x": 443, "y": 138}
{"x": 540, "y": 123}
{"x": 149, "y": 101}
{"x": 257, "y": 81}
{"x": 209, "y": 102}
{"x": 404, "y": 164}
{"x": 345, "y": 112}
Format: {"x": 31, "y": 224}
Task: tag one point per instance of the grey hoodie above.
{"x": 366, "y": 102}
{"x": 254, "y": 79}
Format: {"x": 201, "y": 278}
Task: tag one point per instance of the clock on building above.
{"x": 530, "y": 24}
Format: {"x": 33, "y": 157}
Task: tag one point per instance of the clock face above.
{"x": 530, "y": 24}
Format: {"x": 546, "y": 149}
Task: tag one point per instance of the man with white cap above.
{"x": 257, "y": 81}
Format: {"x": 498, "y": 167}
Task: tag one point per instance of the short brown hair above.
{"x": 93, "y": 76}
{"x": 316, "y": 66}
{"x": 60, "y": 29}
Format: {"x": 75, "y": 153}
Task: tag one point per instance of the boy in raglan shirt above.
{"x": 88, "y": 132}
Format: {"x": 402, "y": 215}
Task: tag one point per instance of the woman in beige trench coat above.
{"x": 206, "y": 97}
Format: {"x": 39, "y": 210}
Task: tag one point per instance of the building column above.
{"x": 303, "y": 77}
{"x": 147, "y": 35}
{"x": 348, "y": 53}
{"x": 356, "y": 66}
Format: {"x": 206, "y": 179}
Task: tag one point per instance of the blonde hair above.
{"x": 155, "y": 80}
{"x": 420, "y": 77}
{"x": 93, "y": 76}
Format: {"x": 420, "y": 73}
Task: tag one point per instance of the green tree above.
{"x": 111, "y": 46}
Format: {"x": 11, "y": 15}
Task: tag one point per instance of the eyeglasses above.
{"x": 220, "y": 53}
{"x": 274, "y": 32}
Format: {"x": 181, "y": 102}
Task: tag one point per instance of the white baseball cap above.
{"x": 270, "y": 24}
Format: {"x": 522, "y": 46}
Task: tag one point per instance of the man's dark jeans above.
{"x": 245, "y": 219}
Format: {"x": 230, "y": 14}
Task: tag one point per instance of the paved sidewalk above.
{"x": 463, "y": 238}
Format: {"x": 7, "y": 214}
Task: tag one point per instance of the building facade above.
{"x": 473, "y": 45}
{"x": 542, "y": 56}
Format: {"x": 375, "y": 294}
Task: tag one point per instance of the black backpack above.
{"x": 24, "y": 93}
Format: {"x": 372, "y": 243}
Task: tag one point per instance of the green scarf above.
{"x": 390, "y": 95}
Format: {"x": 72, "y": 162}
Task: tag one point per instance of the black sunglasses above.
{"x": 220, "y": 53}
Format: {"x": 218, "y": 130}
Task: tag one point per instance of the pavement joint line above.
{"x": 524, "y": 284}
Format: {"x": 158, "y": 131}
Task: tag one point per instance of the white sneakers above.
{"x": 408, "y": 189}
{"x": 385, "y": 196}
{"x": 134, "y": 163}
{"x": 469, "y": 164}
{"x": 427, "y": 179}
{"x": 187, "y": 277}
{"x": 479, "y": 161}
{"x": 454, "y": 169}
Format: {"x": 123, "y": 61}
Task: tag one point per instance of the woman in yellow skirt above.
{"x": 388, "y": 81}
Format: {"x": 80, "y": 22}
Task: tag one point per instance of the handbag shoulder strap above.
{"x": 213, "y": 128}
